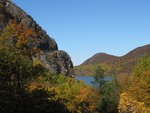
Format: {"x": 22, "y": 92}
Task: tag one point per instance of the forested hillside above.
{"x": 112, "y": 64}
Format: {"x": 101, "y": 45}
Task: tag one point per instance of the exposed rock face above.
{"x": 45, "y": 42}
{"x": 55, "y": 60}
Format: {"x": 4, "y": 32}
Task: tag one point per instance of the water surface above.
{"x": 89, "y": 79}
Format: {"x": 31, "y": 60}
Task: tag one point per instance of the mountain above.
{"x": 99, "y": 58}
{"x": 113, "y": 64}
{"x": 57, "y": 61}
{"x": 138, "y": 52}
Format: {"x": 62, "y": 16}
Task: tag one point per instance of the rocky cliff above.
{"x": 55, "y": 60}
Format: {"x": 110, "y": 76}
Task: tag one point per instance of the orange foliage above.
{"x": 21, "y": 37}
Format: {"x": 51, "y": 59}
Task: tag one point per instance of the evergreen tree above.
{"x": 108, "y": 92}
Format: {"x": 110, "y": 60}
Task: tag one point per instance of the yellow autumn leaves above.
{"x": 129, "y": 105}
{"x": 135, "y": 96}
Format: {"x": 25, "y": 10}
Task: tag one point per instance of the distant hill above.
{"x": 138, "y": 52}
{"x": 99, "y": 58}
{"x": 112, "y": 64}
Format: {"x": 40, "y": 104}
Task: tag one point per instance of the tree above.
{"x": 142, "y": 66}
{"x": 139, "y": 87}
{"x": 21, "y": 38}
{"x": 75, "y": 96}
{"x": 99, "y": 77}
{"x": 15, "y": 69}
{"x": 15, "y": 72}
{"x": 135, "y": 97}
{"x": 128, "y": 104}
{"x": 108, "y": 92}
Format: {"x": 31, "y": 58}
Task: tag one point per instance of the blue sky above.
{"x": 85, "y": 27}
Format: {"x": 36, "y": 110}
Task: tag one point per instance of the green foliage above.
{"x": 142, "y": 66}
{"x": 7, "y": 38}
{"x": 23, "y": 101}
{"x": 76, "y": 97}
{"x": 25, "y": 87}
{"x": 108, "y": 93}
{"x": 15, "y": 69}
{"x": 109, "y": 97}
{"x": 16, "y": 74}
{"x": 99, "y": 77}
{"x": 140, "y": 81}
